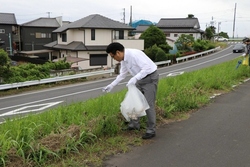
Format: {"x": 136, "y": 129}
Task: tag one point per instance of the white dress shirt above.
{"x": 137, "y": 63}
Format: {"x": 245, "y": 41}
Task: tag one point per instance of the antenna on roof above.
{"x": 48, "y": 14}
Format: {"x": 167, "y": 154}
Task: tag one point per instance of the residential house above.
{"x": 87, "y": 39}
{"x": 9, "y": 33}
{"x": 175, "y": 27}
{"x": 36, "y": 33}
{"x": 139, "y": 30}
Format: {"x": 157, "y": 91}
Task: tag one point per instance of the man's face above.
{"x": 118, "y": 56}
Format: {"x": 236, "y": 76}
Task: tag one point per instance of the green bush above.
{"x": 151, "y": 52}
{"x": 202, "y": 45}
{"x": 29, "y": 71}
{"x": 160, "y": 55}
{"x": 5, "y": 60}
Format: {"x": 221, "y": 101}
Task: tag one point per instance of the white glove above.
{"x": 244, "y": 54}
{"x": 108, "y": 88}
{"x": 132, "y": 81}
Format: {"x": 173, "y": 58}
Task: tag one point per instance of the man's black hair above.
{"x": 246, "y": 39}
{"x": 113, "y": 47}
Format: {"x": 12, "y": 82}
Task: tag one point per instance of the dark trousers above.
{"x": 148, "y": 87}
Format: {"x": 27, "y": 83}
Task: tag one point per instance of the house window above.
{"x": 38, "y": 35}
{"x": 64, "y": 37}
{"x": 2, "y": 31}
{"x": 92, "y": 34}
{"x": 43, "y": 35}
{"x": 98, "y": 59}
{"x": 167, "y": 34}
{"x": 175, "y": 35}
{"x": 121, "y": 34}
{"x": 14, "y": 30}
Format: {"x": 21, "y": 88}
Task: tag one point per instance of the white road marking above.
{"x": 100, "y": 88}
{"x": 175, "y": 73}
{"x": 194, "y": 64}
{"x": 27, "y": 109}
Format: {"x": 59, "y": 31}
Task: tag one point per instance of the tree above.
{"x": 160, "y": 55}
{"x": 151, "y": 52}
{"x": 5, "y": 60}
{"x": 209, "y": 32}
{"x": 156, "y": 53}
{"x": 4, "y": 64}
{"x": 153, "y": 35}
{"x": 185, "y": 42}
{"x": 223, "y": 34}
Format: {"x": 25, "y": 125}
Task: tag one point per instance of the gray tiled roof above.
{"x": 141, "y": 28}
{"x": 95, "y": 21}
{"x": 8, "y": 18}
{"x": 76, "y": 46}
{"x": 182, "y": 30}
{"x": 178, "y": 23}
{"x": 42, "y": 22}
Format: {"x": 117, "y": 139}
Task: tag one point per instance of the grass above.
{"x": 86, "y": 133}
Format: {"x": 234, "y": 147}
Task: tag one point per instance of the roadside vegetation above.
{"x": 155, "y": 47}
{"x": 86, "y": 133}
{"x": 24, "y": 71}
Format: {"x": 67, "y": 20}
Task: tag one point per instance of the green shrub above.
{"x": 29, "y": 71}
{"x": 160, "y": 55}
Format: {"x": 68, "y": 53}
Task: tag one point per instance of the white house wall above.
{"x": 129, "y": 43}
{"x": 76, "y": 35}
{"x": 102, "y": 37}
{"x": 195, "y": 35}
{"x": 59, "y": 39}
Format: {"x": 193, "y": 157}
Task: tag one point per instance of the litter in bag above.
{"x": 246, "y": 60}
{"x": 134, "y": 104}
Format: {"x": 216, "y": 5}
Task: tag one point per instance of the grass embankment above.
{"x": 85, "y": 133}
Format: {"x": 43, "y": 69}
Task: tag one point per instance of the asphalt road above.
{"x": 39, "y": 101}
{"x": 217, "y": 135}
{"x": 214, "y": 136}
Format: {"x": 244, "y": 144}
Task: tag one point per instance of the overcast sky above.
{"x": 219, "y": 12}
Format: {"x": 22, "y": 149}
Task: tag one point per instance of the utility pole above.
{"x": 130, "y": 21}
{"x": 123, "y": 15}
{"x": 234, "y": 19}
{"x": 219, "y": 27}
{"x": 10, "y": 42}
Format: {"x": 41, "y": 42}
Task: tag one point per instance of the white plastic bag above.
{"x": 134, "y": 104}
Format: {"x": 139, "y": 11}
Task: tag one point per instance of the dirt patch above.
{"x": 58, "y": 142}
{"x": 16, "y": 161}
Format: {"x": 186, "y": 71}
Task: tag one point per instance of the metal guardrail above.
{"x": 63, "y": 78}
{"x": 55, "y": 79}
{"x": 185, "y": 58}
{"x": 69, "y": 77}
{"x": 163, "y": 62}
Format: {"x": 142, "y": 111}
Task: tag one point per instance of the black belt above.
{"x": 149, "y": 74}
